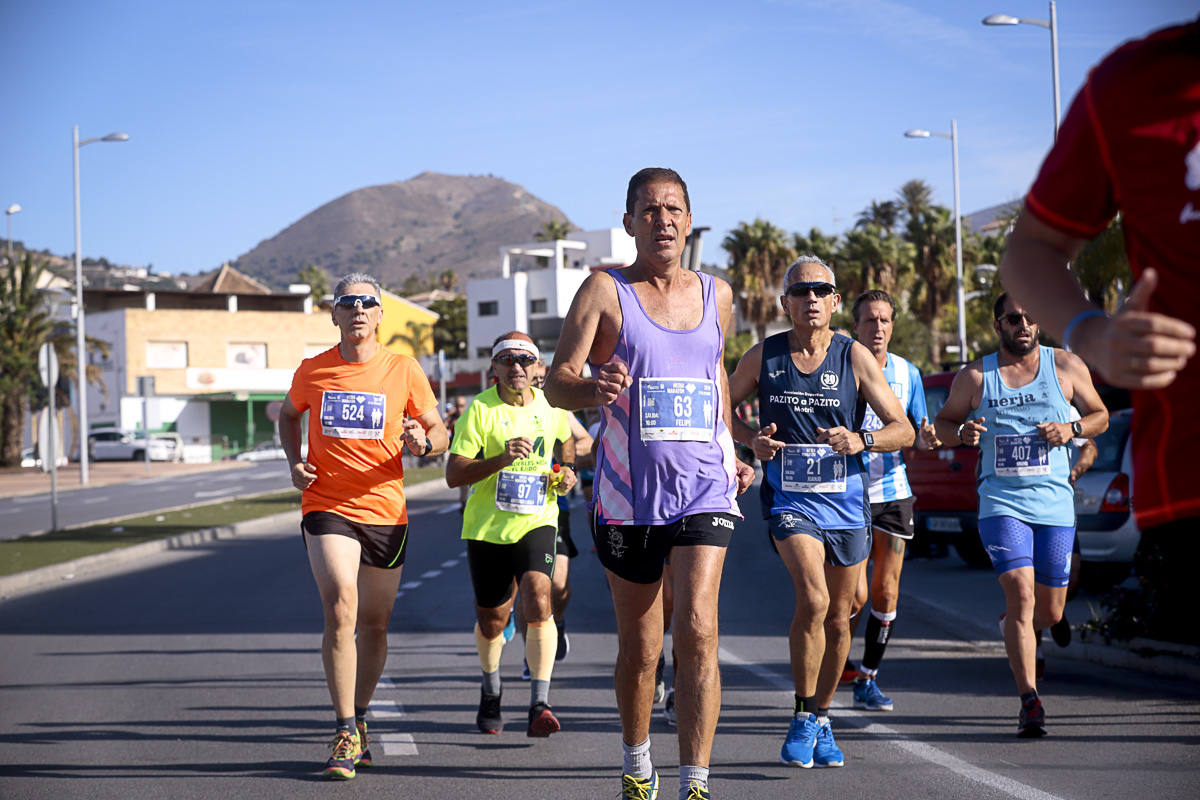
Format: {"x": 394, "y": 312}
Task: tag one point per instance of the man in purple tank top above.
{"x": 666, "y": 478}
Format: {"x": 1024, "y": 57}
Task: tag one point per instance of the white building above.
{"x": 537, "y": 283}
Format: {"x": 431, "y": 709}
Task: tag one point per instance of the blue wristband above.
{"x": 1078, "y": 318}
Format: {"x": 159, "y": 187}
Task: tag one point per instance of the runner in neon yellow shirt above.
{"x": 503, "y": 446}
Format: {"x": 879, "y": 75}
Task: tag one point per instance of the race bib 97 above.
{"x": 677, "y": 409}
{"x": 353, "y": 415}
{"x": 813, "y": 468}
{"x": 521, "y": 492}
{"x": 1022, "y": 454}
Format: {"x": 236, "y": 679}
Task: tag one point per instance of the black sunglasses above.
{"x": 819, "y": 288}
{"x": 508, "y": 359}
{"x": 1015, "y": 318}
{"x": 350, "y": 300}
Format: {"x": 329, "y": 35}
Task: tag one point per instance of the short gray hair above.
{"x": 801, "y": 261}
{"x": 356, "y": 277}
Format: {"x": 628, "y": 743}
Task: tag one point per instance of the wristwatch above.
{"x": 428, "y": 448}
{"x": 1077, "y": 428}
{"x": 868, "y": 439}
{"x": 569, "y": 465}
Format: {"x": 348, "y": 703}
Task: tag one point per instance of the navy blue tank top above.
{"x": 808, "y": 478}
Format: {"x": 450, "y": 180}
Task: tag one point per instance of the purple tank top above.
{"x": 664, "y": 451}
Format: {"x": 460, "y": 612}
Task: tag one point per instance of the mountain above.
{"x": 423, "y": 225}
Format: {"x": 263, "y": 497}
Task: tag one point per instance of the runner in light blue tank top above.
{"x": 1015, "y": 405}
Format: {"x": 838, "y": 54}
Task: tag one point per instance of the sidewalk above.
{"x": 17, "y": 481}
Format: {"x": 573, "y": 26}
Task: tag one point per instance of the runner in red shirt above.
{"x": 1131, "y": 144}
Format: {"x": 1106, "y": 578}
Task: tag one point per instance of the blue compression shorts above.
{"x": 1012, "y": 544}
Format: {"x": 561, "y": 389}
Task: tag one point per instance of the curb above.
{"x": 43, "y": 577}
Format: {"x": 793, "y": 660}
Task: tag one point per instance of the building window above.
{"x": 166, "y": 355}
{"x": 243, "y": 355}
{"x": 537, "y": 306}
{"x": 489, "y": 308}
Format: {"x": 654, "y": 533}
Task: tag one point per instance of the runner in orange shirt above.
{"x": 365, "y": 405}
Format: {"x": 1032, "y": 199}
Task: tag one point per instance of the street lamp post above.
{"x": 8, "y": 212}
{"x": 80, "y": 347}
{"x": 918, "y": 133}
{"x": 1052, "y": 25}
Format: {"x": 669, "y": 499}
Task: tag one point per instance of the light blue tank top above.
{"x": 1021, "y": 475}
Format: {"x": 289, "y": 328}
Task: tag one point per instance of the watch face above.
{"x": 1077, "y": 428}
{"x": 868, "y": 439}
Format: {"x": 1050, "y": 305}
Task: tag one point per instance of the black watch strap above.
{"x": 569, "y": 465}
{"x": 1077, "y": 428}
{"x": 428, "y": 448}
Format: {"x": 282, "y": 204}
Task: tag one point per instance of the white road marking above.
{"x": 212, "y": 493}
{"x": 451, "y": 563}
{"x": 410, "y": 585}
{"x": 92, "y": 500}
{"x": 32, "y": 498}
{"x": 397, "y": 744}
{"x": 386, "y": 683}
{"x": 919, "y": 749}
{"x": 431, "y": 574}
{"x": 386, "y": 709}
{"x": 447, "y": 509}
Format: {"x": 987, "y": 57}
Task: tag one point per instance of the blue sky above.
{"x": 245, "y": 116}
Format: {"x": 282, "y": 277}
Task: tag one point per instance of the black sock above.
{"x": 346, "y": 724}
{"x": 878, "y": 633}
{"x": 823, "y": 712}
{"x": 1028, "y": 698}
{"x": 360, "y": 713}
{"x": 805, "y": 705}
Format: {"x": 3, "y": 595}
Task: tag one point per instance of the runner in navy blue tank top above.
{"x": 666, "y": 477}
{"x": 813, "y": 386}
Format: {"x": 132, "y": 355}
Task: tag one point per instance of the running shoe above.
{"x": 526, "y": 675}
{"x": 1032, "y": 722}
{"x": 639, "y": 788}
{"x": 364, "y": 741}
{"x": 849, "y": 672}
{"x": 1061, "y": 632}
{"x": 825, "y": 751}
{"x": 801, "y": 740}
{"x": 489, "y": 719}
{"x": 510, "y": 630}
{"x": 696, "y": 792}
{"x": 669, "y": 707}
{"x": 564, "y": 642}
{"x": 868, "y": 696}
{"x": 346, "y": 752}
{"x": 660, "y": 686}
{"x": 542, "y": 721}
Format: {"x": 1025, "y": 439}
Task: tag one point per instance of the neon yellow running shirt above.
{"x": 506, "y": 505}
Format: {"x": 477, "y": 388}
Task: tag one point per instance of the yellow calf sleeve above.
{"x": 541, "y": 642}
{"x": 489, "y": 650}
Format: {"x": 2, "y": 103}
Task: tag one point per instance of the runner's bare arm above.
{"x": 463, "y": 471}
{"x": 742, "y": 385}
{"x": 1136, "y": 349}
{"x": 1081, "y": 393}
{"x": 431, "y": 429}
{"x": 965, "y": 394}
{"x": 303, "y": 474}
{"x": 586, "y": 334}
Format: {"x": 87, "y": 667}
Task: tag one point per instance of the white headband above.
{"x": 515, "y": 344}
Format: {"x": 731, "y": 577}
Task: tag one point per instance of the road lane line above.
{"x": 447, "y": 509}
{"x": 921, "y": 750}
{"x": 431, "y": 574}
{"x": 386, "y": 709}
{"x": 212, "y": 493}
{"x": 92, "y": 500}
{"x": 410, "y": 585}
{"x": 397, "y": 744}
{"x": 449, "y": 564}
{"x": 31, "y": 498}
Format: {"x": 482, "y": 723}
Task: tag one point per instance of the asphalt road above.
{"x": 27, "y": 514}
{"x": 196, "y": 674}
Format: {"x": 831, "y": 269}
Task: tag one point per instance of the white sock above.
{"x": 637, "y": 759}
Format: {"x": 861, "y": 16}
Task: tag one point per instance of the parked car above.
{"x": 1108, "y": 534}
{"x": 116, "y": 444}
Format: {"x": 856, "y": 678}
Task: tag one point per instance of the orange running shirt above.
{"x": 355, "y": 427}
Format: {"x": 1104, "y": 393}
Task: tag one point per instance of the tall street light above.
{"x": 80, "y": 347}
{"x": 918, "y": 133}
{"x": 8, "y": 212}
{"x": 1005, "y": 19}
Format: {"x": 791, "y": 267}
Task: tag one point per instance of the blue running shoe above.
{"x": 801, "y": 738}
{"x": 510, "y": 630}
{"x": 639, "y": 788}
{"x": 826, "y": 752}
{"x": 868, "y": 696}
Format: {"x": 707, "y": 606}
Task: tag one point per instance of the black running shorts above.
{"x": 637, "y": 552}
{"x": 494, "y": 566}
{"x": 894, "y": 517}
{"x": 383, "y": 546}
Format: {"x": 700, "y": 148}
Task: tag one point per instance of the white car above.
{"x": 115, "y": 444}
{"x": 1108, "y": 534}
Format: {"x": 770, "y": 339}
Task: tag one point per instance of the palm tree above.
{"x": 552, "y": 231}
{"x": 884, "y": 215}
{"x": 24, "y": 325}
{"x": 929, "y": 229}
{"x": 417, "y": 339}
{"x": 759, "y": 254}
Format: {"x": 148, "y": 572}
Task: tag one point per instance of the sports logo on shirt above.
{"x": 829, "y": 380}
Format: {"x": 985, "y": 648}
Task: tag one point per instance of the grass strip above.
{"x": 31, "y": 552}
